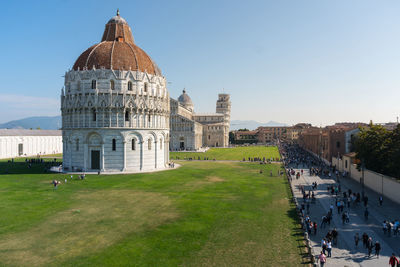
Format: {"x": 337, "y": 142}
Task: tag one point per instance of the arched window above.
{"x": 129, "y": 86}
{"x": 77, "y": 145}
{"x": 133, "y": 144}
{"x": 78, "y": 85}
{"x": 149, "y": 118}
{"x": 127, "y": 115}
{"x": 160, "y": 143}
{"x": 114, "y": 145}
{"x": 149, "y": 144}
{"x": 112, "y": 85}
{"x": 145, "y": 87}
{"x": 94, "y": 114}
{"x": 94, "y": 84}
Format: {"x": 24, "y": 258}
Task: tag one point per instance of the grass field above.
{"x": 202, "y": 214}
{"x": 236, "y": 153}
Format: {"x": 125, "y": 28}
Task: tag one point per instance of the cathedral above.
{"x": 115, "y": 107}
{"x": 117, "y": 113}
{"x": 192, "y": 131}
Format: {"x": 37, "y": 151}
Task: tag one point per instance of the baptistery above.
{"x": 115, "y": 107}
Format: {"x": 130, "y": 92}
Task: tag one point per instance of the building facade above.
{"x": 22, "y": 142}
{"x": 115, "y": 107}
{"x": 328, "y": 142}
{"x": 191, "y": 131}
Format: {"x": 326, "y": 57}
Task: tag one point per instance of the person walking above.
{"x": 377, "y": 249}
{"x": 393, "y": 261}
{"x": 323, "y": 245}
{"x": 329, "y": 248}
{"x": 335, "y": 236}
{"x": 356, "y": 239}
{"x": 315, "y": 228}
{"x": 322, "y": 259}
{"x": 366, "y": 213}
{"x": 365, "y": 239}
{"x": 370, "y": 245}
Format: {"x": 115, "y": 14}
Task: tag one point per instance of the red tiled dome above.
{"x": 117, "y": 50}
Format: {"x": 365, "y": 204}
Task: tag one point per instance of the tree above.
{"x": 393, "y": 153}
{"x": 371, "y": 147}
{"x": 379, "y": 149}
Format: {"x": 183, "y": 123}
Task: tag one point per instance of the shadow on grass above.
{"x": 19, "y": 167}
{"x": 299, "y": 234}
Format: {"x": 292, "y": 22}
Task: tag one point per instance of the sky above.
{"x": 288, "y": 61}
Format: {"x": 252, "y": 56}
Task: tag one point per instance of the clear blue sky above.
{"x": 287, "y": 61}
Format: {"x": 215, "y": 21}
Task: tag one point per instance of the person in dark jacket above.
{"x": 370, "y": 245}
{"x": 377, "y": 248}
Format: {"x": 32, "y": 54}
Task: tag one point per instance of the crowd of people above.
{"x": 295, "y": 160}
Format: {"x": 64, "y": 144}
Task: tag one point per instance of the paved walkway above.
{"x": 345, "y": 253}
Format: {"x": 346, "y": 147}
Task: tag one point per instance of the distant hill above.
{"x": 44, "y": 123}
{"x": 251, "y": 125}
{"x": 54, "y": 123}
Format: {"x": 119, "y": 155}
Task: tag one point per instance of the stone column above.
{"x": 85, "y": 155}
{"x": 83, "y": 115}
{"x": 102, "y": 158}
{"x": 97, "y": 117}
{"x": 124, "y": 155}
{"x": 155, "y": 152}
{"x": 70, "y": 155}
{"x": 141, "y": 154}
{"x": 109, "y": 117}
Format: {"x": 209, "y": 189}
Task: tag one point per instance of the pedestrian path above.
{"x": 345, "y": 253}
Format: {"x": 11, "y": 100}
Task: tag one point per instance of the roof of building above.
{"x": 117, "y": 50}
{"x": 208, "y": 114}
{"x": 351, "y": 154}
{"x": 27, "y": 132}
{"x": 246, "y": 132}
{"x": 185, "y": 98}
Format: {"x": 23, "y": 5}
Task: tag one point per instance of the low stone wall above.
{"x": 382, "y": 184}
{"x": 310, "y": 251}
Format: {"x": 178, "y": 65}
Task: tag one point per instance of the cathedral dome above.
{"x": 185, "y": 99}
{"x": 117, "y": 50}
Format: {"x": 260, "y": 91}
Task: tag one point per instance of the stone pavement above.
{"x": 345, "y": 253}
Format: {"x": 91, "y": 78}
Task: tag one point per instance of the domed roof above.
{"x": 117, "y": 19}
{"x": 117, "y": 50}
{"x": 185, "y": 98}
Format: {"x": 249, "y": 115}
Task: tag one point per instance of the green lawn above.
{"x": 201, "y": 214}
{"x": 235, "y": 153}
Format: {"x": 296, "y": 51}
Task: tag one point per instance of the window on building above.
{"x": 112, "y": 85}
{"x": 337, "y": 144}
{"x": 149, "y": 144}
{"x": 133, "y": 144}
{"x": 129, "y": 86}
{"x": 94, "y": 84}
{"x": 94, "y": 114}
{"x": 209, "y": 137}
{"x": 345, "y": 164}
{"x": 127, "y": 115}
{"x": 145, "y": 87}
{"x": 149, "y": 118}
{"x": 114, "y": 145}
{"x": 160, "y": 143}
{"x": 78, "y": 85}
{"x": 77, "y": 145}
{"x": 20, "y": 149}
